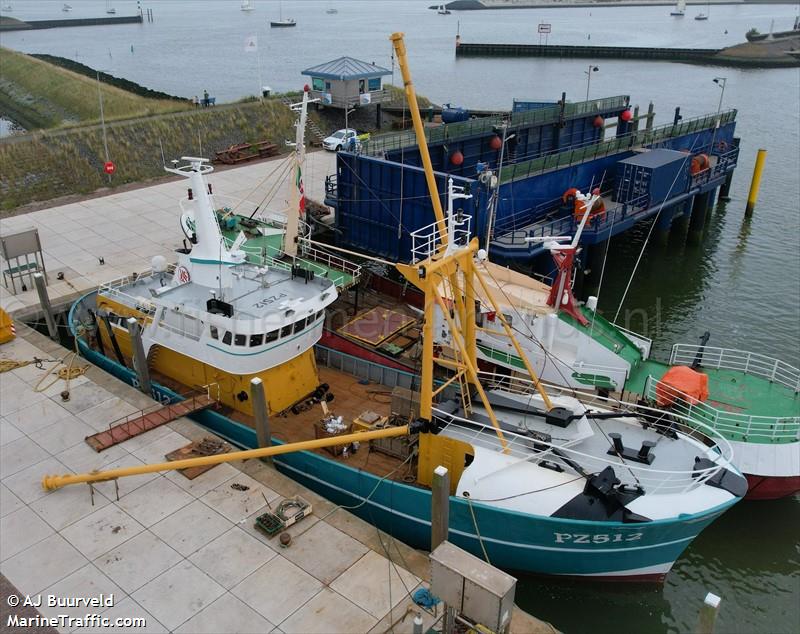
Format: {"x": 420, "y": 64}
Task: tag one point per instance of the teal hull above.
{"x": 513, "y": 541}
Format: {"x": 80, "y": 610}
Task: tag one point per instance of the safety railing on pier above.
{"x": 735, "y": 425}
{"x": 614, "y": 146}
{"x": 762, "y": 366}
{"x": 380, "y": 145}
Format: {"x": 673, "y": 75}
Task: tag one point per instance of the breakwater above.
{"x": 10, "y": 24}
{"x": 717, "y": 57}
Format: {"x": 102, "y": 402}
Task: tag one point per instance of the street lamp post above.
{"x": 592, "y": 69}
{"x": 102, "y": 119}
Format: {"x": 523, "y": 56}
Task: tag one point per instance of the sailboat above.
{"x": 331, "y": 10}
{"x": 704, "y": 16}
{"x": 443, "y": 10}
{"x": 66, "y": 8}
{"x": 247, "y": 5}
{"x": 680, "y": 9}
{"x": 280, "y": 22}
{"x": 542, "y": 480}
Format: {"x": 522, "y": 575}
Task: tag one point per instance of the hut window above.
{"x": 226, "y": 338}
{"x": 271, "y": 336}
{"x": 375, "y": 84}
{"x": 256, "y": 340}
{"x": 317, "y": 83}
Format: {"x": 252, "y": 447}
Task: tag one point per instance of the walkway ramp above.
{"x": 145, "y": 420}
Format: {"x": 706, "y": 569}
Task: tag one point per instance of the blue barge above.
{"x": 379, "y": 193}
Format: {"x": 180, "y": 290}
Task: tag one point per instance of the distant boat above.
{"x": 66, "y": 7}
{"x": 704, "y": 16}
{"x": 280, "y": 22}
{"x": 8, "y": 7}
{"x": 331, "y": 11}
{"x": 443, "y": 10}
{"x": 680, "y": 9}
{"x": 109, "y": 9}
{"x": 247, "y": 5}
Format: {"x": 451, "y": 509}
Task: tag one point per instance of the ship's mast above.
{"x": 296, "y": 192}
{"x": 449, "y": 269}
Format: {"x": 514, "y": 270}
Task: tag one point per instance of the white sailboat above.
{"x": 704, "y": 16}
{"x": 247, "y": 5}
{"x": 680, "y": 9}
{"x": 109, "y": 9}
{"x": 280, "y": 22}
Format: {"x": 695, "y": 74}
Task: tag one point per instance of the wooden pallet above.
{"x": 145, "y": 420}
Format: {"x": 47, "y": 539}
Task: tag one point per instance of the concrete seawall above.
{"x": 711, "y": 56}
{"x": 31, "y": 25}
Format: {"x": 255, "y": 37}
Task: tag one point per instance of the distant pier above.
{"x": 717, "y": 57}
{"x": 11, "y": 24}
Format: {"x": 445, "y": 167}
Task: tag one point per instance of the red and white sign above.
{"x": 109, "y": 168}
{"x": 183, "y": 274}
{"x": 545, "y": 28}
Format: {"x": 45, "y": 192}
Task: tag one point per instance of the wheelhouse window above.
{"x": 286, "y": 331}
{"x": 299, "y": 325}
{"x": 256, "y": 340}
{"x": 214, "y": 332}
{"x": 240, "y": 340}
{"x": 226, "y": 338}
{"x": 272, "y": 336}
{"x": 319, "y": 316}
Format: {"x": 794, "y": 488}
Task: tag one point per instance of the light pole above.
{"x": 102, "y": 118}
{"x": 719, "y": 81}
{"x": 592, "y": 69}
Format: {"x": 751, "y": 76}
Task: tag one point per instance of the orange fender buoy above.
{"x": 7, "y": 330}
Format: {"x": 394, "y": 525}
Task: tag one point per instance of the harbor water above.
{"x": 741, "y": 282}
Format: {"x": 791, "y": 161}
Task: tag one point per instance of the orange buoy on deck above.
{"x": 598, "y": 211}
{"x": 700, "y": 162}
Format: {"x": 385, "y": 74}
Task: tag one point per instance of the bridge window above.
{"x": 272, "y": 336}
{"x": 214, "y": 332}
{"x": 226, "y": 338}
{"x": 319, "y": 315}
{"x": 299, "y": 325}
{"x": 286, "y": 331}
{"x": 256, "y": 340}
{"x": 239, "y": 340}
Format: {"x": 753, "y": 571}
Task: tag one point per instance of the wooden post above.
{"x": 440, "y": 506}
{"x": 139, "y": 357}
{"x": 708, "y": 614}
{"x": 44, "y": 300}
{"x": 260, "y": 414}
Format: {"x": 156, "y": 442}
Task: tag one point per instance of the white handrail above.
{"x": 770, "y": 368}
{"x": 748, "y": 426}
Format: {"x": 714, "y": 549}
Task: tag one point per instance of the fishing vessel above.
{"x": 544, "y": 481}
{"x": 680, "y": 9}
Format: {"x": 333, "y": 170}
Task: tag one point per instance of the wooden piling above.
{"x": 440, "y": 506}
{"x": 708, "y": 614}
{"x": 260, "y": 415}
{"x": 44, "y": 300}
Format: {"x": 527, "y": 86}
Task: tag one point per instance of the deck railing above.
{"x": 615, "y": 145}
{"x": 737, "y": 425}
{"x": 769, "y": 368}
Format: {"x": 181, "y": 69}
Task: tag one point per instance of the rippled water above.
{"x": 742, "y": 282}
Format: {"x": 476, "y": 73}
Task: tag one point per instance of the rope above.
{"x": 477, "y": 530}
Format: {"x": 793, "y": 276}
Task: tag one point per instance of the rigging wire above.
{"x": 650, "y": 232}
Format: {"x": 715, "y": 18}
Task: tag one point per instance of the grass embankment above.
{"x": 37, "y": 94}
{"x": 56, "y": 163}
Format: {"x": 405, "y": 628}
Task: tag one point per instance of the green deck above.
{"x": 258, "y": 245}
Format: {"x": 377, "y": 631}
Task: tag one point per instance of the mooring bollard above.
{"x": 44, "y": 300}
{"x": 755, "y": 184}
{"x": 708, "y": 614}
{"x": 260, "y": 415}
{"x": 440, "y": 506}
{"x": 139, "y": 357}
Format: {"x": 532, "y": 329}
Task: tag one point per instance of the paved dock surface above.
{"x": 127, "y": 228}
